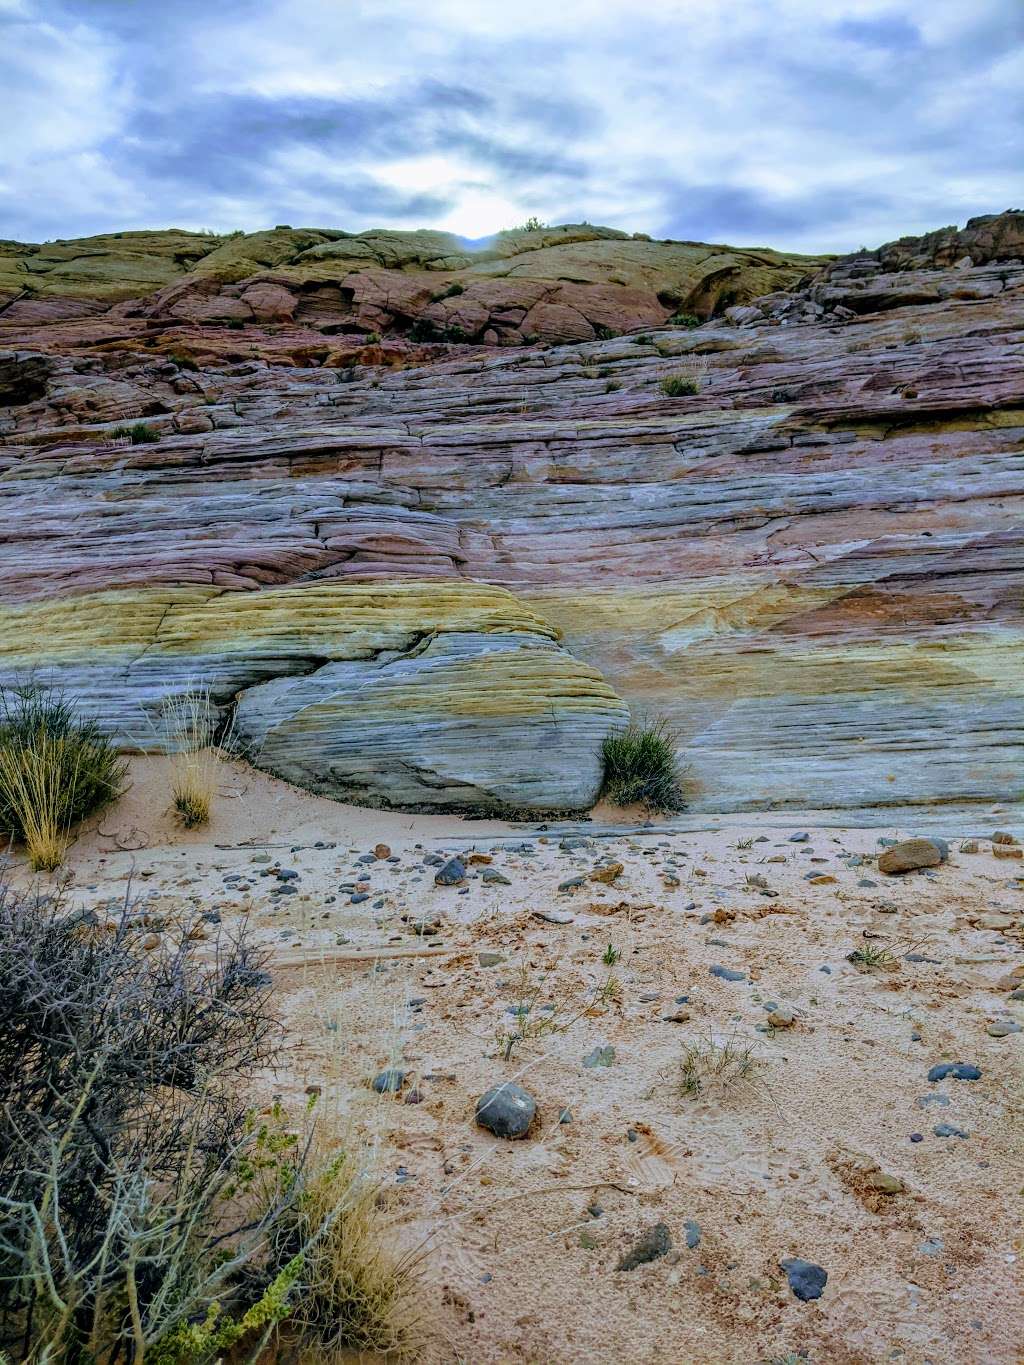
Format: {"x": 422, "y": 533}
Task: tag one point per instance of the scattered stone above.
{"x": 806, "y": 1279}
{"x": 1002, "y": 851}
{"x": 389, "y": 1082}
{"x": 945, "y": 1130}
{"x": 572, "y": 884}
{"x": 452, "y": 874}
{"x": 381, "y": 851}
{"x": 783, "y": 1016}
{"x": 692, "y": 1233}
{"x": 492, "y": 875}
{"x": 1001, "y": 836}
{"x": 679, "y": 1016}
{"x": 885, "y": 1183}
{"x": 565, "y": 1116}
{"x": 607, "y": 874}
{"x": 957, "y": 1071}
{"x": 649, "y": 1246}
{"x": 910, "y": 856}
{"x": 487, "y": 959}
{"x": 1002, "y": 1028}
{"x": 969, "y": 846}
{"x": 727, "y": 974}
{"x": 801, "y": 838}
{"x": 507, "y": 1111}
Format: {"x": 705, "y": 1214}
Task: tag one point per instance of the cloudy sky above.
{"x": 816, "y": 124}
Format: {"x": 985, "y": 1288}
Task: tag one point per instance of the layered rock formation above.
{"x": 432, "y": 584}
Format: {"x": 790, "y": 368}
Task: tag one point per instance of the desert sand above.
{"x": 834, "y": 1148}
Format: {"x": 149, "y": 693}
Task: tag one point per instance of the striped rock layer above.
{"x": 442, "y": 585}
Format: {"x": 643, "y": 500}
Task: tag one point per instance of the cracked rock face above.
{"x": 430, "y": 575}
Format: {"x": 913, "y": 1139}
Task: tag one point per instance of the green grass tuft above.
{"x": 140, "y": 433}
{"x": 641, "y": 767}
{"x": 55, "y": 769}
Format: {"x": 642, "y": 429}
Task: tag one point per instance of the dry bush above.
{"x": 688, "y": 380}
{"x": 144, "y": 1211}
{"x": 196, "y": 760}
{"x": 55, "y": 769}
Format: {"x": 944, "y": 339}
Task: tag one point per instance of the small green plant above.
{"x": 708, "y": 1065}
{"x": 454, "y": 290}
{"x": 641, "y": 767}
{"x": 643, "y": 340}
{"x": 684, "y": 320}
{"x": 610, "y": 956}
{"x": 455, "y": 333}
{"x": 612, "y": 386}
{"x": 55, "y": 769}
{"x": 139, "y": 433}
{"x": 533, "y": 1022}
{"x": 871, "y": 958}
{"x": 679, "y": 385}
{"x": 532, "y": 224}
{"x": 183, "y": 362}
{"x": 605, "y": 333}
{"x": 371, "y": 339}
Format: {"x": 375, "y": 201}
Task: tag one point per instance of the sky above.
{"x": 802, "y": 124}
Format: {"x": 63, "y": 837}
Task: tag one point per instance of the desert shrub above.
{"x": 196, "y": 761}
{"x": 139, "y": 433}
{"x": 144, "y": 1209}
{"x": 371, "y": 339}
{"x": 641, "y": 767}
{"x": 684, "y": 320}
{"x": 355, "y": 1291}
{"x": 605, "y": 333}
{"x": 55, "y": 769}
{"x": 121, "y": 1130}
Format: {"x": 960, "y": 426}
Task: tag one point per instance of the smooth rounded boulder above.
{"x": 507, "y": 1111}
{"x": 910, "y": 855}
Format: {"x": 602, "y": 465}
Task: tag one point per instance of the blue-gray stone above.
{"x": 957, "y": 1071}
{"x": 692, "y": 1233}
{"x": 451, "y": 874}
{"x": 945, "y": 1130}
{"x": 506, "y": 1111}
{"x": 727, "y": 974}
{"x": 806, "y": 1279}
{"x": 389, "y": 1082}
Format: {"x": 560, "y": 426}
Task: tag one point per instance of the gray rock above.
{"x": 507, "y": 1111}
{"x": 489, "y": 959}
{"x": 389, "y": 1082}
{"x": 453, "y": 872}
{"x": 958, "y": 1071}
{"x": 692, "y": 1233}
{"x": 727, "y": 973}
{"x": 649, "y": 1246}
{"x": 806, "y": 1279}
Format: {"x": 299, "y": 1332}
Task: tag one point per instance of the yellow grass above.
{"x": 34, "y": 782}
{"x": 196, "y": 763}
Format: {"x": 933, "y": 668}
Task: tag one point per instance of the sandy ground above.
{"x": 524, "y": 1237}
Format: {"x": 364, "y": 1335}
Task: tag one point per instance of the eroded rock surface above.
{"x": 812, "y": 566}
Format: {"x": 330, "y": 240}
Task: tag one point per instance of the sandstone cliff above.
{"x": 438, "y": 572}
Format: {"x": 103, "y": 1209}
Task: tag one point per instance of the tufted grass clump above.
{"x": 357, "y": 1291}
{"x": 196, "y": 760}
{"x": 710, "y": 1066}
{"x": 139, "y": 433}
{"x": 679, "y": 385}
{"x": 55, "y": 769}
{"x": 641, "y": 768}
